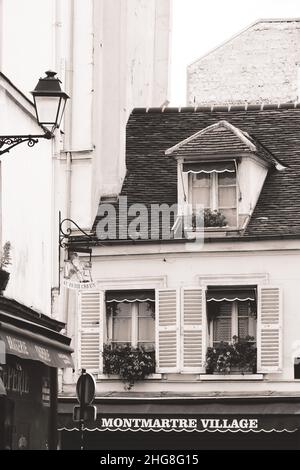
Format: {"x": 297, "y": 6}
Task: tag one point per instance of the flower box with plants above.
{"x": 129, "y": 363}
{"x": 239, "y": 357}
{"x": 5, "y": 261}
{"x": 211, "y": 219}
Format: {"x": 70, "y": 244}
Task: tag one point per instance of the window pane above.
{"x": 243, "y": 328}
{"x": 230, "y": 215}
{"x": 227, "y": 197}
{"x": 146, "y": 309}
{"x": 222, "y": 322}
{"x": 146, "y": 330}
{"x": 201, "y": 180}
{"x": 224, "y": 309}
{"x": 121, "y": 309}
{"x": 226, "y": 178}
{"x": 201, "y": 196}
{"x": 122, "y": 330}
{"x": 246, "y": 319}
{"x": 222, "y": 329}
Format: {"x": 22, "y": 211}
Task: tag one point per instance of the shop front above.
{"x": 197, "y": 424}
{"x": 33, "y": 351}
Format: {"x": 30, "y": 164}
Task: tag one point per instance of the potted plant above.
{"x": 131, "y": 364}
{"x": 5, "y": 261}
{"x": 239, "y": 357}
{"x": 211, "y": 219}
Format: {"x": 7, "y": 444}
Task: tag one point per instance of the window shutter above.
{"x": 193, "y": 329}
{"x": 269, "y": 341}
{"x": 167, "y": 330}
{"x": 90, "y": 336}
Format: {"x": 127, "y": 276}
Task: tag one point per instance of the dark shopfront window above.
{"x": 180, "y": 440}
{"x": 24, "y": 417}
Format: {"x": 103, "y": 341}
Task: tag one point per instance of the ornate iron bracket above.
{"x": 11, "y": 141}
{"x": 66, "y": 233}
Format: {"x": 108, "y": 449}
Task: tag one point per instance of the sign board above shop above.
{"x": 26, "y": 348}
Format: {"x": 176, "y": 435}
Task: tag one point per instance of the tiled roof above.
{"x": 222, "y": 138}
{"x": 152, "y": 176}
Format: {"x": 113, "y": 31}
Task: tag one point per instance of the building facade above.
{"x": 32, "y": 351}
{"x": 212, "y": 303}
{"x": 110, "y": 57}
{"x": 258, "y": 65}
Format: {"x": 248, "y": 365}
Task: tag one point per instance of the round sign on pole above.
{"x": 85, "y": 389}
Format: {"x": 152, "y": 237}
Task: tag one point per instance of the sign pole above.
{"x": 85, "y": 392}
{"x": 82, "y": 406}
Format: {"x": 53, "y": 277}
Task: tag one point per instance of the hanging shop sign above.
{"x": 77, "y": 274}
{"x": 36, "y": 351}
{"x": 74, "y": 285}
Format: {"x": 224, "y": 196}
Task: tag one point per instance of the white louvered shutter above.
{"x": 90, "y": 331}
{"x": 193, "y": 329}
{"x": 167, "y": 330}
{"x": 269, "y": 329}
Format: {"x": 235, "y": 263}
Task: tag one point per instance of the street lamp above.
{"x": 49, "y": 103}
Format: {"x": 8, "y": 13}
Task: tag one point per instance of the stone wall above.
{"x": 261, "y": 64}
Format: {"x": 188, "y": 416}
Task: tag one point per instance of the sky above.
{"x": 198, "y": 26}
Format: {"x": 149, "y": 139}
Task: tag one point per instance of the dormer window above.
{"x": 213, "y": 185}
{"x": 222, "y": 169}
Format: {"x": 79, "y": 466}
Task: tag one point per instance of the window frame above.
{"x": 134, "y": 318}
{"x": 234, "y": 326}
{"x": 213, "y": 188}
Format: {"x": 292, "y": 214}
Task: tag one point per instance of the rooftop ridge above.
{"x": 246, "y": 28}
{"x": 220, "y": 124}
{"x": 218, "y": 108}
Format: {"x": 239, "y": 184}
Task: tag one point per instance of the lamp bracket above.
{"x": 66, "y": 233}
{"x": 11, "y": 141}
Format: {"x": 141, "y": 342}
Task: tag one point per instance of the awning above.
{"x": 130, "y": 295}
{"x": 28, "y": 345}
{"x": 231, "y": 294}
{"x": 209, "y": 167}
{"x": 199, "y": 417}
{"x": 2, "y": 388}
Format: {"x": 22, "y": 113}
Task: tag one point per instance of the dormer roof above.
{"x": 220, "y": 139}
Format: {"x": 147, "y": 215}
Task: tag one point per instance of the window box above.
{"x": 238, "y": 357}
{"x": 129, "y": 363}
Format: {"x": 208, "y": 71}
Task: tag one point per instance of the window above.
{"x": 131, "y": 319}
{"x": 229, "y": 319}
{"x": 216, "y": 191}
{"x": 231, "y": 313}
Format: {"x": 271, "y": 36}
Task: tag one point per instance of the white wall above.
{"x": 26, "y": 208}
{"x": 131, "y": 54}
{"x": 27, "y": 40}
{"x": 276, "y": 263}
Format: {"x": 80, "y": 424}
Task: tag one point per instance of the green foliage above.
{"x": 241, "y": 354}
{"x": 214, "y": 219}
{"x": 131, "y": 364}
{"x": 5, "y": 255}
{"x": 211, "y": 219}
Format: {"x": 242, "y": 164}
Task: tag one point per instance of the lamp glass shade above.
{"x": 49, "y": 101}
{"x": 47, "y": 108}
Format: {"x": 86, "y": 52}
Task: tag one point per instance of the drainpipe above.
{"x": 67, "y": 375}
{"x": 68, "y": 142}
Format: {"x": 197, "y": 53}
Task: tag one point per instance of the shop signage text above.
{"x": 178, "y": 424}
{"x": 74, "y": 285}
{"x": 15, "y": 379}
